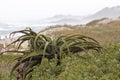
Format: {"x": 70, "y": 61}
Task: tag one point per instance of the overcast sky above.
{"x": 20, "y": 10}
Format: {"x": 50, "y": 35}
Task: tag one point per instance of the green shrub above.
{"x": 42, "y": 46}
{"x": 95, "y": 67}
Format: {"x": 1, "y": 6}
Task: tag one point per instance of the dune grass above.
{"x": 6, "y": 63}
{"x": 104, "y": 34}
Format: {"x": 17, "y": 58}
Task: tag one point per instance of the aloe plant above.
{"x": 42, "y": 46}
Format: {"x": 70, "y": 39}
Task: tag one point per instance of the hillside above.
{"x": 105, "y": 30}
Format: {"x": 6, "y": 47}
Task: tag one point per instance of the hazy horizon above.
{"x": 14, "y": 11}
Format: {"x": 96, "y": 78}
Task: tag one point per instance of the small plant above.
{"x": 41, "y": 46}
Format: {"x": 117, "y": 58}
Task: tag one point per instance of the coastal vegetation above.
{"x": 94, "y": 66}
{"x": 65, "y": 54}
